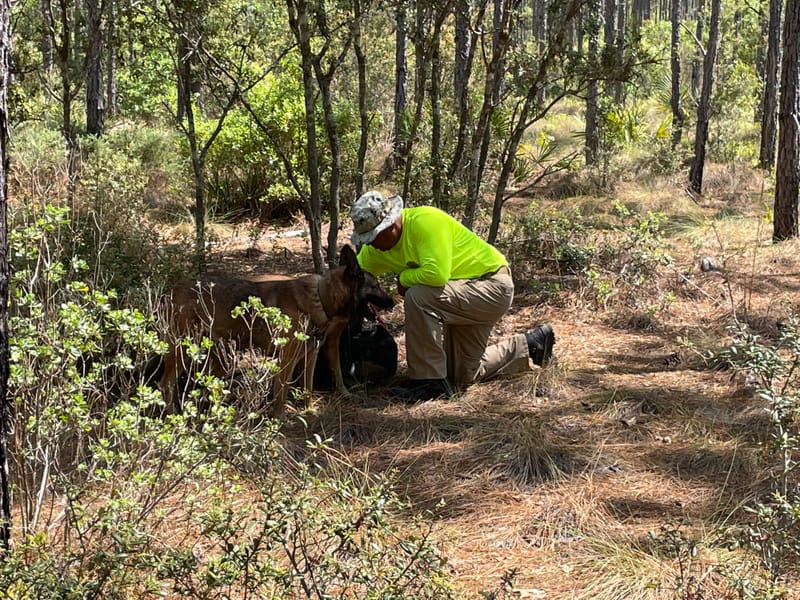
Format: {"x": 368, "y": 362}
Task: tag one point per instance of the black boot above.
{"x": 418, "y": 390}
{"x": 540, "y": 344}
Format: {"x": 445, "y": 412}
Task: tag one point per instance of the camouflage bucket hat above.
{"x": 371, "y": 214}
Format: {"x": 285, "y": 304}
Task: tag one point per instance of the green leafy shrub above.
{"x": 111, "y": 227}
{"x": 548, "y": 239}
{"x": 773, "y": 531}
{"x": 248, "y": 160}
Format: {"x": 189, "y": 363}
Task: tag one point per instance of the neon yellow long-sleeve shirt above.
{"x": 433, "y": 248}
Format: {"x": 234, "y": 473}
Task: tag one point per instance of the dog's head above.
{"x": 370, "y": 297}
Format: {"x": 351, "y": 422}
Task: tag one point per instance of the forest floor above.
{"x": 585, "y": 479}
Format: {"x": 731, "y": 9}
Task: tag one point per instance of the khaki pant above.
{"x": 447, "y": 329}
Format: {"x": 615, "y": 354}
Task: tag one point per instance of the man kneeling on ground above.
{"x": 456, "y": 288}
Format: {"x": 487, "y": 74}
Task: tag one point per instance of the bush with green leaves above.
{"x": 554, "y": 241}
{"x": 108, "y": 224}
{"x": 627, "y": 260}
{"x": 247, "y": 163}
{"x": 112, "y": 229}
{"x": 773, "y": 532}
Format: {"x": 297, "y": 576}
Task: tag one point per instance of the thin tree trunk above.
{"x": 62, "y": 46}
{"x": 701, "y": 133}
{"x": 479, "y": 147}
{"x": 698, "y": 35}
{"x": 198, "y": 169}
{"x": 622, "y": 24}
{"x": 5, "y": 402}
{"x": 95, "y": 107}
{"x": 463, "y": 42}
{"x": 331, "y": 129}
{"x": 363, "y": 114}
{"x": 787, "y": 173}
{"x": 298, "y": 21}
{"x": 609, "y": 35}
{"x": 592, "y": 128}
{"x": 46, "y": 42}
{"x": 457, "y": 160}
{"x": 111, "y": 64}
{"x": 766, "y": 156}
{"x": 675, "y": 62}
{"x": 436, "y": 118}
{"x": 400, "y": 86}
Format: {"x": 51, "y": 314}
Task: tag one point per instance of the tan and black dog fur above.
{"x": 320, "y": 305}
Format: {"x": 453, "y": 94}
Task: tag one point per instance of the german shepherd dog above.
{"x": 322, "y": 306}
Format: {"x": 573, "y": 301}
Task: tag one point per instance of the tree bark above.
{"x": 461, "y": 64}
{"x": 111, "y": 63}
{"x": 363, "y": 113}
{"x": 622, "y": 26}
{"x": 675, "y": 62}
{"x": 334, "y": 180}
{"x": 400, "y": 85}
{"x": 698, "y": 35}
{"x": 482, "y": 135}
{"x": 5, "y": 401}
{"x": 772, "y": 67}
{"x": 703, "y": 108}
{"x": 186, "y": 109}
{"x": 592, "y": 127}
{"x": 95, "y": 101}
{"x": 787, "y": 173}
{"x": 299, "y": 24}
{"x": 437, "y": 190}
{"x": 462, "y": 101}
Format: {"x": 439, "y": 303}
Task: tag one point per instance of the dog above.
{"x": 368, "y": 356}
{"x": 322, "y": 306}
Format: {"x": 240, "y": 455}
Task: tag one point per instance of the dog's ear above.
{"x": 347, "y": 258}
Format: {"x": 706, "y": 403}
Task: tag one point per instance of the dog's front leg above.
{"x": 333, "y": 335}
{"x": 310, "y": 352}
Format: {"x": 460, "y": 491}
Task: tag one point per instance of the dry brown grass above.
{"x": 552, "y": 482}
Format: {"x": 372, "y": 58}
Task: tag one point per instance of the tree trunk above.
{"x": 540, "y": 32}
{"x": 766, "y": 156}
{"x": 787, "y": 173}
{"x": 481, "y": 138}
{"x": 334, "y": 184}
{"x": 461, "y": 64}
{"x": 558, "y": 39}
{"x": 592, "y": 128}
{"x": 198, "y": 169}
{"x": 95, "y": 106}
{"x": 421, "y": 54}
{"x": 299, "y": 23}
{"x": 437, "y": 163}
{"x": 59, "y": 27}
{"x": 675, "y": 62}
{"x": 111, "y": 63}
{"x": 46, "y": 42}
{"x": 5, "y": 402}
{"x": 622, "y": 25}
{"x": 462, "y": 102}
{"x": 698, "y": 35}
{"x": 363, "y": 113}
{"x": 400, "y": 85}
{"x": 701, "y": 133}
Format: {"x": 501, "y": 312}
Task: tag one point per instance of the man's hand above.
{"x": 401, "y": 289}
